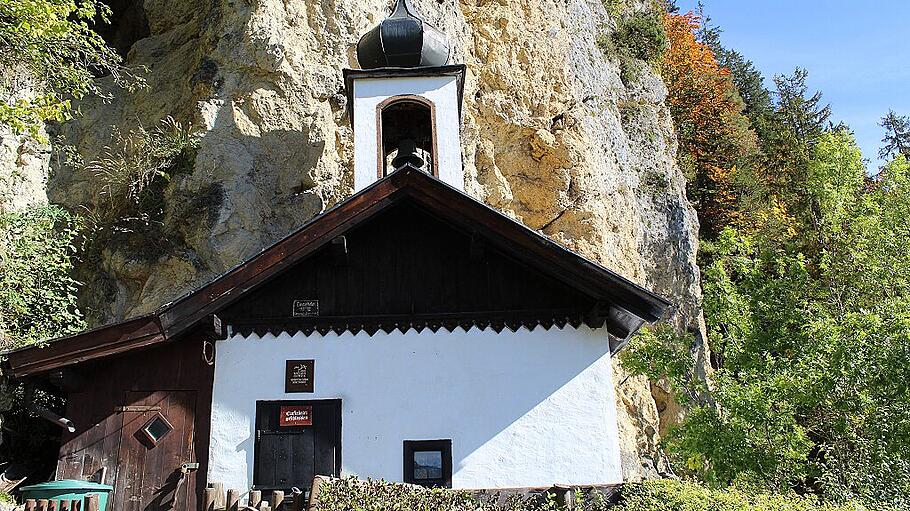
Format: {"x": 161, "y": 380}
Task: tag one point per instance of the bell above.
{"x": 407, "y": 155}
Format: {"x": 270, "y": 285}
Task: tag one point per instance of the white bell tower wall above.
{"x": 371, "y": 91}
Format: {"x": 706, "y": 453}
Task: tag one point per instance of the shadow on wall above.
{"x": 522, "y": 408}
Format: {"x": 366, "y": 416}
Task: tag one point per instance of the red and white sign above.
{"x": 296, "y": 416}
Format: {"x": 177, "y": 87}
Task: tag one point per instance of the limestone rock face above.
{"x": 551, "y": 136}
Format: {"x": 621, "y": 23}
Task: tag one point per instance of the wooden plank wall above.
{"x": 407, "y": 262}
{"x": 108, "y": 384}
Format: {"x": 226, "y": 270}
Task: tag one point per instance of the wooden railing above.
{"x": 92, "y": 503}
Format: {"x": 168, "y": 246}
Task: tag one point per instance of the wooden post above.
{"x": 219, "y": 495}
{"x": 92, "y": 502}
{"x": 299, "y": 502}
{"x": 255, "y": 498}
{"x": 30, "y": 505}
{"x": 208, "y": 503}
{"x": 314, "y": 491}
{"x": 276, "y": 500}
{"x": 42, "y": 504}
{"x": 233, "y": 500}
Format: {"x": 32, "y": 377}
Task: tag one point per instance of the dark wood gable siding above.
{"x": 407, "y": 268}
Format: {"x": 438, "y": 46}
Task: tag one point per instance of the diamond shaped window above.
{"x": 156, "y": 429}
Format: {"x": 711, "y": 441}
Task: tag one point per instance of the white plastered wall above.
{"x": 442, "y": 91}
{"x": 523, "y": 409}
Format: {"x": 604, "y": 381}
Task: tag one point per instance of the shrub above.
{"x": 636, "y": 39}
{"x": 351, "y": 494}
{"x": 134, "y": 161}
{"x": 641, "y": 35}
{"x": 665, "y": 495}
{"x": 37, "y": 292}
{"x": 135, "y": 171}
{"x": 674, "y": 495}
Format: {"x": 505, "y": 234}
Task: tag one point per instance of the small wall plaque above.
{"x": 295, "y": 416}
{"x": 305, "y": 308}
{"x": 299, "y": 376}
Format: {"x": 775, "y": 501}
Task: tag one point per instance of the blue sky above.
{"x": 855, "y": 51}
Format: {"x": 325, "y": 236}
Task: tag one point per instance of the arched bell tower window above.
{"x": 406, "y": 134}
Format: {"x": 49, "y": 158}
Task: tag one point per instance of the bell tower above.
{"x": 405, "y": 102}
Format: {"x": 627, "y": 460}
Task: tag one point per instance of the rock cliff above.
{"x": 552, "y": 135}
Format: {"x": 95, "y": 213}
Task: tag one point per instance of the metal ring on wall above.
{"x": 208, "y": 347}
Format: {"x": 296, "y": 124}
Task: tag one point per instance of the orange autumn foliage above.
{"x": 715, "y": 138}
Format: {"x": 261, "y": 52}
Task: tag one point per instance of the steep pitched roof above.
{"x": 628, "y": 305}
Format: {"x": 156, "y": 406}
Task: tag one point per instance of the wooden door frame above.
{"x": 297, "y": 402}
{"x": 191, "y": 499}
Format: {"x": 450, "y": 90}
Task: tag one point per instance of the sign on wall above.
{"x": 295, "y": 416}
{"x": 305, "y": 308}
{"x": 299, "y": 376}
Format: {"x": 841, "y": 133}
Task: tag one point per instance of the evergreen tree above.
{"x": 748, "y": 80}
{"x": 803, "y": 114}
{"x": 897, "y": 136}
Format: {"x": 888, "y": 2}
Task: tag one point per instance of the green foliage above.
{"x": 667, "y": 495}
{"x": 37, "y": 293}
{"x": 897, "y": 136}
{"x": 660, "y": 352}
{"x": 48, "y": 47}
{"x": 351, "y": 494}
{"x": 642, "y": 35}
{"x": 812, "y": 331}
{"x": 132, "y": 162}
{"x": 803, "y": 114}
{"x": 136, "y": 168}
{"x": 636, "y": 37}
{"x": 670, "y": 495}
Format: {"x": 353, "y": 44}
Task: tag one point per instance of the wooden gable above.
{"x": 407, "y": 268}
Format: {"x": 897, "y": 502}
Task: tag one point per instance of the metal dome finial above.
{"x": 403, "y": 39}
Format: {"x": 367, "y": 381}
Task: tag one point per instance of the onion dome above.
{"x": 403, "y": 39}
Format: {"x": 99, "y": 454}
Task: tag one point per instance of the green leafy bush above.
{"x": 642, "y": 35}
{"x": 672, "y": 495}
{"x": 664, "y": 495}
{"x": 37, "y": 292}
{"x": 351, "y": 494}
{"x": 636, "y": 39}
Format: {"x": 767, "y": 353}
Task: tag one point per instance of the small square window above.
{"x": 428, "y": 462}
{"x": 156, "y": 429}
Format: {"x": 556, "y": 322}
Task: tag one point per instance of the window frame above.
{"x": 444, "y": 446}
{"x": 381, "y": 170}
{"x": 148, "y": 436}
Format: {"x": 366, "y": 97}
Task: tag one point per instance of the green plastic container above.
{"x": 68, "y": 489}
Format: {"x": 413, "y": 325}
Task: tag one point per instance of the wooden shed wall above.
{"x": 104, "y": 437}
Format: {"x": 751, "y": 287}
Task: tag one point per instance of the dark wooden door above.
{"x": 289, "y": 455}
{"x": 156, "y": 440}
